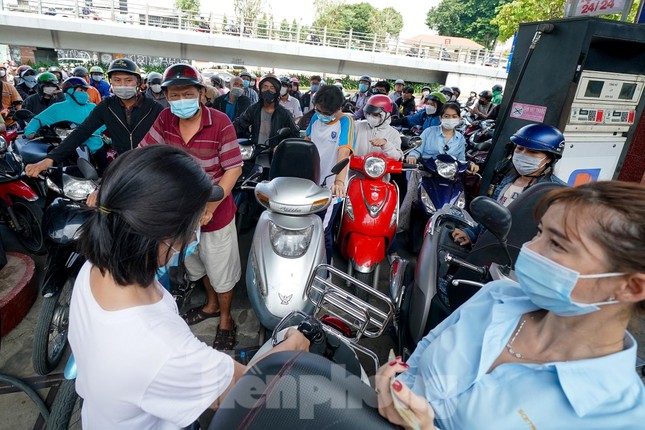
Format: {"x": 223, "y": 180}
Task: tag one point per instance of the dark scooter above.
{"x": 447, "y": 274}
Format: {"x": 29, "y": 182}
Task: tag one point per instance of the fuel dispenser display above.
{"x": 584, "y": 76}
{"x": 602, "y": 112}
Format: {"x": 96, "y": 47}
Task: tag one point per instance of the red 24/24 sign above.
{"x": 599, "y": 7}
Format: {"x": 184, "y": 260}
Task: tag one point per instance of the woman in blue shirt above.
{"x": 442, "y": 139}
{"x": 549, "y": 352}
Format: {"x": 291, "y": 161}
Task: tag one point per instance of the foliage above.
{"x": 362, "y": 18}
{"x": 285, "y": 30}
{"x": 466, "y": 18}
{"x": 511, "y": 15}
{"x": 188, "y": 5}
{"x": 248, "y": 11}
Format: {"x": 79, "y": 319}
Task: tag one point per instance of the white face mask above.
{"x": 97, "y": 78}
{"x": 124, "y": 92}
{"x": 431, "y": 110}
{"x": 49, "y": 90}
{"x": 2, "y": 73}
{"x": 373, "y": 121}
{"x": 525, "y": 164}
{"x": 450, "y": 124}
{"x": 283, "y": 91}
{"x": 425, "y": 93}
{"x": 156, "y": 88}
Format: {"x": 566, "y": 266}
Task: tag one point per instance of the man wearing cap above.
{"x": 359, "y": 98}
{"x": 208, "y": 135}
{"x": 248, "y": 87}
{"x": 27, "y": 85}
{"x": 127, "y": 116}
{"x": 96, "y": 80}
{"x": 398, "y": 90}
{"x": 81, "y": 72}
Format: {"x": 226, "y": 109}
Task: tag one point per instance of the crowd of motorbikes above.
{"x": 280, "y": 193}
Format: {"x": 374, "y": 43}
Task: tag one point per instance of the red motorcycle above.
{"x": 370, "y": 215}
{"x": 18, "y": 208}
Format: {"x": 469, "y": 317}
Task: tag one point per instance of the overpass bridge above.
{"x": 178, "y": 35}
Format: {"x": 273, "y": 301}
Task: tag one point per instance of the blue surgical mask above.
{"x": 549, "y": 284}
{"x": 162, "y": 272}
{"x": 245, "y": 83}
{"x": 184, "y": 108}
{"x": 326, "y": 118}
{"x": 315, "y": 88}
{"x": 362, "y": 88}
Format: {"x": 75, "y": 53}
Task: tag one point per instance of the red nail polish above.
{"x": 397, "y": 386}
{"x": 398, "y": 358}
{"x": 393, "y": 363}
{"x": 407, "y": 366}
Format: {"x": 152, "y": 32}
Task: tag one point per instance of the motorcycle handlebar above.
{"x": 451, "y": 259}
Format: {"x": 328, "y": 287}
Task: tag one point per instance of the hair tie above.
{"x": 104, "y": 210}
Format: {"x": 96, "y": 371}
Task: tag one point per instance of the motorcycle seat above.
{"x": 297, "y": 390}
{"x": 296, "y": 158}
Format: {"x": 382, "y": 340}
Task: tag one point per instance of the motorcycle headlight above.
{"x": 349, "y": 209}
{"x": 461, "y": 201}
{"x": 446, "y": 170}
{"x": 374, "y": 167}
{"x": 427, "y": 201}
{"x": 77, "y": 189}
{"x": 290, "y": 243}
{"x": 247, "y": 151}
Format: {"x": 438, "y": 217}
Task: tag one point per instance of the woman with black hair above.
{"x": 139, "y": 365}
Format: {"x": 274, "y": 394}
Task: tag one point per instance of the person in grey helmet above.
{"x": 154, "y": 90}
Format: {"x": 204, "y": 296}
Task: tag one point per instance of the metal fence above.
{"x": 126, "y": 13}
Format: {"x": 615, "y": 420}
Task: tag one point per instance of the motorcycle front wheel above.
{"x": 29, "y": 229}
{"x": 50, "y": 337}
{"x": 66, "y": 409}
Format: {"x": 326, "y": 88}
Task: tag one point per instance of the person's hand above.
{"x": 338, "y": 189}
{"x": 206, "y": 217}
{"x": 418, "y": 407}
{"x": 31, "y": 135}
{"x": 378, "y": 142}
{"x": 91, "y": 199}
{"x": 295, "y": 340}
{"x": 33, "y": 170}
{"x": 412, "y": 160}
{"x": 473, "y": 168}
{"x": 460, "y": 237}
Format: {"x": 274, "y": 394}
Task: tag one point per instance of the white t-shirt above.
{"x": 292, "y": 104}
{"x": 141, "y": 367}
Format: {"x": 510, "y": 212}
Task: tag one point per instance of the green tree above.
{"x": 247, "y": 12}
{"x": 511, "y": 15}
{"x": 263, "y": 27}
{"x": 466, "y": 18}
{"x": 362, "y": 18}
{"x": 191, "y": 9}
{"x": 285, "y": 30}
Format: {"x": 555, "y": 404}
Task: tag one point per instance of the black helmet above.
{"x": 124, "y": 65}
{"x": 181, "y": 74}
{"x": 498, "y": 87}
{"x": 74, "y": 83}
{"x": 154, "y": 78}
{"x": 216, "y": 80}
{"x": 247, "y": 74}
{"x": 365, "y": 78}
{"x": 80, "y": 71}
{"x": 285, "y": 81}
{"x": 486, "y": 94}
{"x": 540, "y": 137}
{"x": 456, "y": 90}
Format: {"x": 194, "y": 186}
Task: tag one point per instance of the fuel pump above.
{"x": 584, "y": 76}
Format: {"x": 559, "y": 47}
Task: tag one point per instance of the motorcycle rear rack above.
{"x": 368, "y": 320}
{"x": 299, "y": 315}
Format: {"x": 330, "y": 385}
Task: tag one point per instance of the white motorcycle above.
{"x": 289, "y": 240}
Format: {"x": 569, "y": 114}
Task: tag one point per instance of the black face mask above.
{"x": 269, "y": 97}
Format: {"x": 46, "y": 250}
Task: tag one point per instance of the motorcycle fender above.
{"x": 397, "y": 274}
{"x": 365, "y": 251}
{"x": 10, "y": 190}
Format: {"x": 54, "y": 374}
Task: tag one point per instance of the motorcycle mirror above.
{"x": 23, "y": 115}
{"x": 340, "y": 166}
{"x": 493, "y": 216}
{"x": 217, "y": 194}
{"x": 86, "y": 168}
{"x": 284, "y": 132}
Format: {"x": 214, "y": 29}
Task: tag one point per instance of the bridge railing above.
{"x": 127, "y": 13}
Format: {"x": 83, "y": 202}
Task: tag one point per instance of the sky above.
{"x": 413, "y": 11}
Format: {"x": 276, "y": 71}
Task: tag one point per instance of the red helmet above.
{"x": 181, "y": 74}
{"x": 378, "y": 103}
